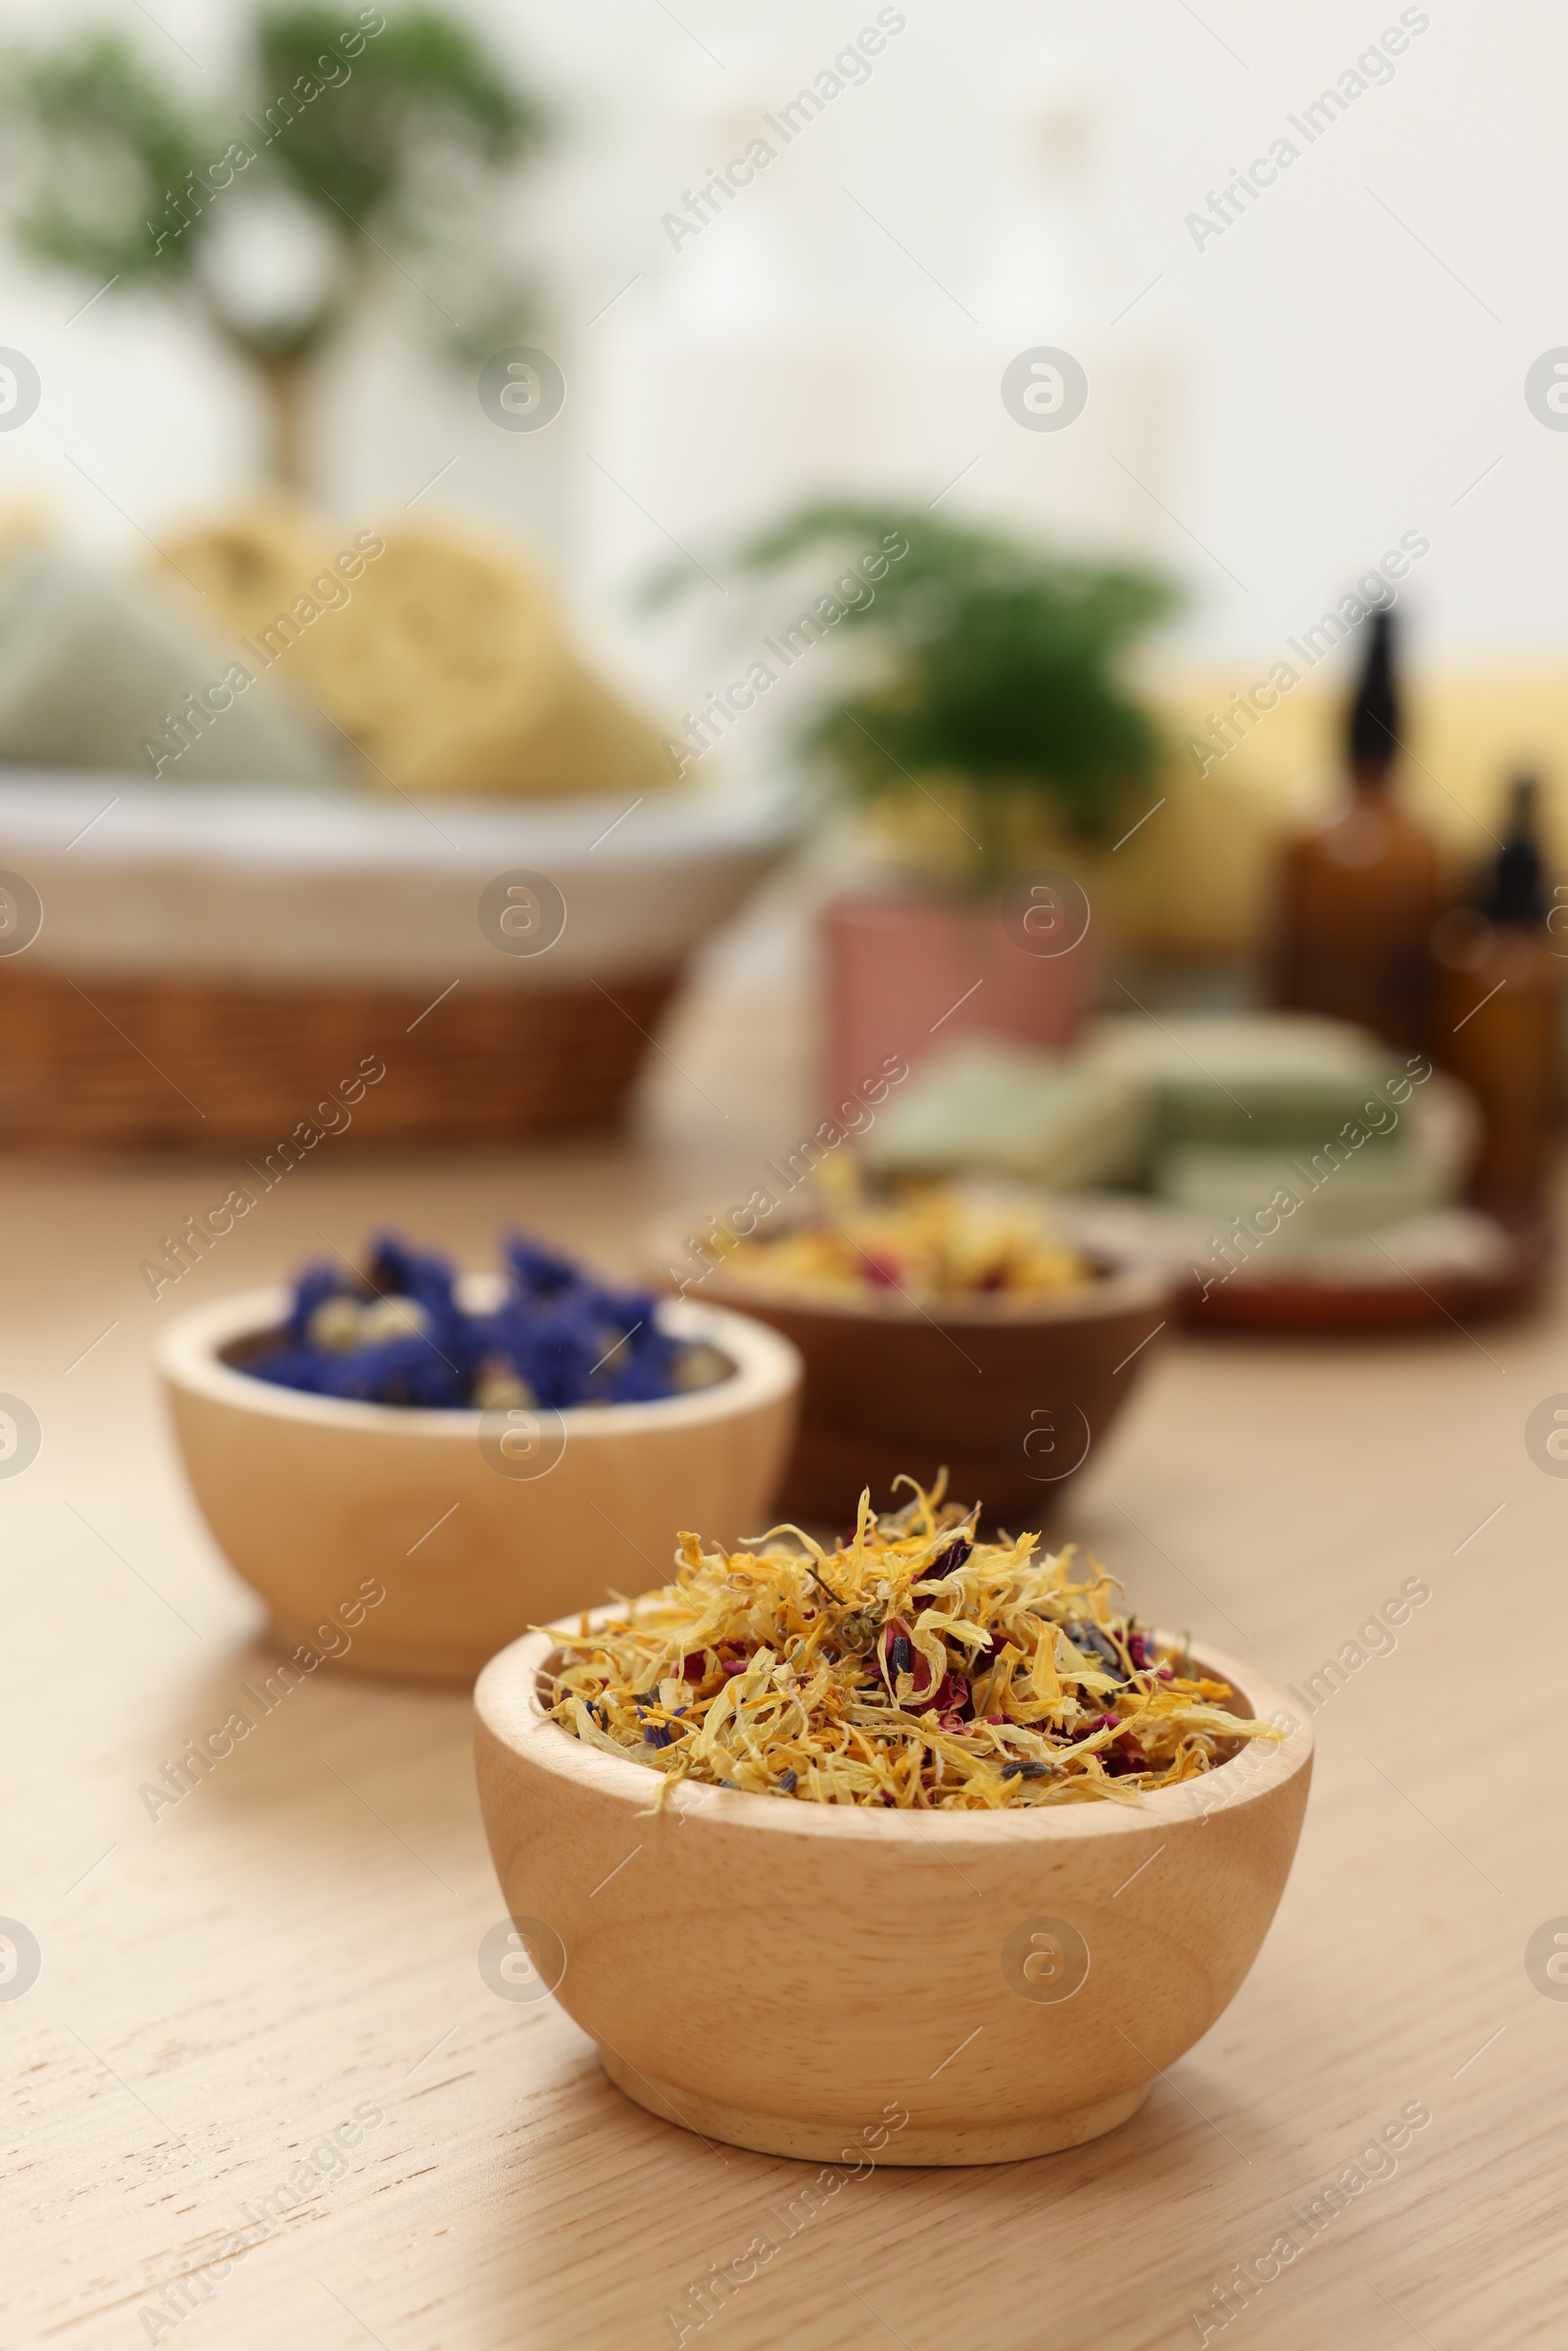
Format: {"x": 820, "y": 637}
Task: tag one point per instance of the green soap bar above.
{"x": 1273, "y": 1114}
{"x": 1010, "y": 1111}
{"x": 1282, "y": 1081}
{"x": 1338, "y": 1194}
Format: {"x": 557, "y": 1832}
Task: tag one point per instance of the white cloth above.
{"x": 269, "y": 884}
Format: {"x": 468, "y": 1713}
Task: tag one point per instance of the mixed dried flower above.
{"x": 912, "y": 1665}
{"x": 936, "y": 1240}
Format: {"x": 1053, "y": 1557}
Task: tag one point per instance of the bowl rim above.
{"x": 187, "y": 1354}
{"x": 506, "y": 1701}
{"x": 1123, "y": 1289}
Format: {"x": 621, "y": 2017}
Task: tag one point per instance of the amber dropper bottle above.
{"x": 1498, "y": 1014}
{"x": 1360, "y": 891}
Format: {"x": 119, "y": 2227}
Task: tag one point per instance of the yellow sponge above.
{"x": 445, "y": 661}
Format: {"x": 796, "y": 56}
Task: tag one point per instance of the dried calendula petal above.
{"x": 914, "y": 1666}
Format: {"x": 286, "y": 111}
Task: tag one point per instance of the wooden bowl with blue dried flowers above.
{"x": 486, "y": 1451}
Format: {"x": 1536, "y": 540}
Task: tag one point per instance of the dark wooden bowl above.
{"x": 1013, "y": 1394}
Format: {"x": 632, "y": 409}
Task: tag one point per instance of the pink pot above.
{"x": 906, "y": 974}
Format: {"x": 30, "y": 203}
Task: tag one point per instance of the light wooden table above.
{"x": 221, "y": 1989}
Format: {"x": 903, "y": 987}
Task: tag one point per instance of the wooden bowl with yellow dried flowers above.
{"x": 919, "y": 1845}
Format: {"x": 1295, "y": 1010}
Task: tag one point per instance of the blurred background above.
{"x": 1337, "y": 370}
{"x": 577, "y": 319}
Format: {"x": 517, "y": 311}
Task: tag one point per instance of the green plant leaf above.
{"x": 421, "y": 97}
{"x": 1001, "y": 660}
{"x": 97, "y": 148}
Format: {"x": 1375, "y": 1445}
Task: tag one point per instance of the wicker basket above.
{"x": 218, "y": 1066}
{"x": 206, "y": 968}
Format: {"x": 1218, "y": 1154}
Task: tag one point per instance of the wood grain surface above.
{"x": 294, "y": 1943}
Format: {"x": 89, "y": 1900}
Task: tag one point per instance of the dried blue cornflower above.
{"x": 1090, "y": 1641}
{"x": 397, "y": 1334}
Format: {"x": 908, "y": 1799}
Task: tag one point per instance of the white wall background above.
{"x": 1341, "y": 366}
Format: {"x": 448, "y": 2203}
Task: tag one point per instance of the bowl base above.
{"x": 917, "y": 2142}
{"x": 394, "y": 1660}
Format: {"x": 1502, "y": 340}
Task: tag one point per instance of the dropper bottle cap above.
{"x": 1375, "y": 718}
{"x": 1517, "y": 895}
